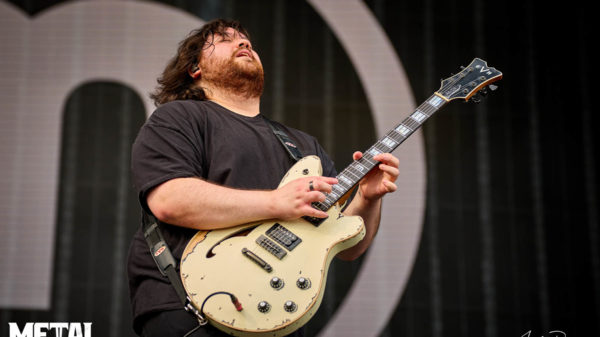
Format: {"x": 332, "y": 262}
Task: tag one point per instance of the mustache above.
{"x": 243, "y": 49}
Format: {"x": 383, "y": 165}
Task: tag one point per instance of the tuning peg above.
{"x": 476, "y": 98}
{"x": 462, "y": 68}
{"x": 492, "y": 87}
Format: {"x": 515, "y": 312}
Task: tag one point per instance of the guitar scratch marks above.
{"x": 199, "y": 237}
{"x": 227, "y": 322}
{"x": 284, "y": 322}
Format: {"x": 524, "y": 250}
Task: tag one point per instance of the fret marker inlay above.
{"x": 435, "y": 101}
{"x": 403, "y": 130}
{"x": 374, "y": 151}
{"x": 389, "y": 142}
{"x": 344, "y": 179}
{"x": 418, "y": 116}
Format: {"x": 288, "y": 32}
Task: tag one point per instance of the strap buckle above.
{"x": 189, "y": 307}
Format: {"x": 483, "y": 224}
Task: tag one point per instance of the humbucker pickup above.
{"x": 271, "y": 246}
{"x": 283, "y": 236}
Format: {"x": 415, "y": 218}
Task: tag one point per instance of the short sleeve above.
{"x": 168, "y": 146}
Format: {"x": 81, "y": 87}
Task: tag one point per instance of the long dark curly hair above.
{"x": 175, "y": 83}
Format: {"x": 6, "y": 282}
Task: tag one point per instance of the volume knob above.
{"x": 290, "y": 306}
{"x": 303, "y": 283}
{"x": 276, "y": 283}
{"x": 264, "y": 306}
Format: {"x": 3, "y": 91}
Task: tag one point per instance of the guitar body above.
{"x": 242, "y": 261}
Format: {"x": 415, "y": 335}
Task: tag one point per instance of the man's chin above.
{"x": 241, "y": 76}
{"x": 245, "y": 63}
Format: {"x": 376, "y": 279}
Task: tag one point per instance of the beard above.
{"x": 239, "y": 77}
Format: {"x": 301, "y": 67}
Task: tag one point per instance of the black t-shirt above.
{"x": 201, "y": 139}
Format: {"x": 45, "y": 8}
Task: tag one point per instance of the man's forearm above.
{"x": 195, "y": 203}
{"x": 370, "y": 211}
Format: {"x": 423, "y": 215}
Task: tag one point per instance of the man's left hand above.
{"x": 381, "y": 179}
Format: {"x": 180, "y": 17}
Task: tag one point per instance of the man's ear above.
{"x": 195, "y": 72}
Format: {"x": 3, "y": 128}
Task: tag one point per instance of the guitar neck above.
{"x": 352, "y": 174}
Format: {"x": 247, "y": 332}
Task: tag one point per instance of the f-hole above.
{"x": 242, "y": 232}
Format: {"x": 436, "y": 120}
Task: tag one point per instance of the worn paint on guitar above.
{"x": 213, "y": 261}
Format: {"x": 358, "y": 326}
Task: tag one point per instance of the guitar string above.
{"x": 354, "y": 173}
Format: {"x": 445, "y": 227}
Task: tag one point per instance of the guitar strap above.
{"x": 166, "y": 262}
{"x": 160, "y": 250}
{"x": 286, "y": 141}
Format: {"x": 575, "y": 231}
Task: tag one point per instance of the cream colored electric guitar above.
{"x": 278, "y": 269}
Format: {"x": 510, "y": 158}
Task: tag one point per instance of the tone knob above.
{"x": 264, "y": 306}
{"x": 276, "y": 283}
{"x": 290, "y": 306}
{"x": 303, "y": 283}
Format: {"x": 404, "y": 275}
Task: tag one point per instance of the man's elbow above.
{"x": 163, "y": 208}
{"x": 351, "y": 254}
{"x": 163, "y": 212}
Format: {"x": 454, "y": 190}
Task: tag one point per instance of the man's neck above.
{"x": 239, "y": 104}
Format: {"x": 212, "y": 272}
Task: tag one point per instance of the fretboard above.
{"x": 352, "y": 174}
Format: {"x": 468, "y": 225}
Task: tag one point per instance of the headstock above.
{"x": 476, "y": 78}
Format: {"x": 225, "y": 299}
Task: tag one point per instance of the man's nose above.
{"x": 245, "y": 44}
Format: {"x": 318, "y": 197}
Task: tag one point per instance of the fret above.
{"x": 345, "y": 180}
{"x": 350, "y": 176}
{"x": 337, "y": 188}
{"x": 373, "y": 151}
{"x": 358, "y": 169}
{"x": 321, "y": 206}
{"x": 349, "y": 171}
{"x": 451, "y": 89}
{"x": 411, "y": 124}
{"x": 367, "y": 162}
{"x": 361, "y": 168}
{"x": 398, "y": 138}
{"x": 427, "y": 108}
{"x": 381, "y": 147}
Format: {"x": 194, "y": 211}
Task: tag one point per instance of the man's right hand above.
{"x": 294, "y": 199}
